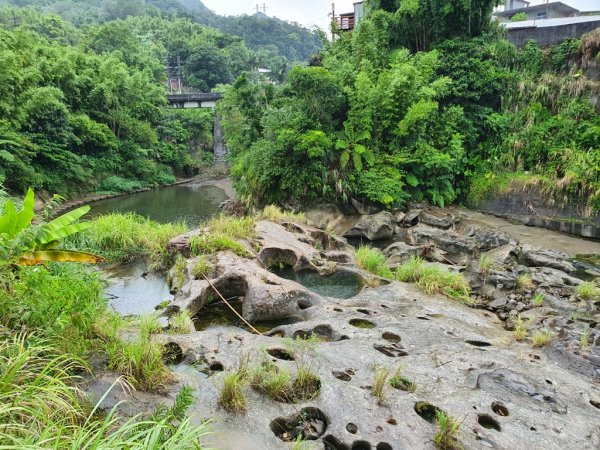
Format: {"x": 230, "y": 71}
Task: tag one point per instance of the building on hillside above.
{"x": 347, "y": 21}
{"x": 550, "y": 31}
{"x": 547, "y": 24}
{"x": 554, "y": 10}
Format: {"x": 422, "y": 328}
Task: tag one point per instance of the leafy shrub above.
{"x": 61, "y": 301}
{"x": 115, "y": 185}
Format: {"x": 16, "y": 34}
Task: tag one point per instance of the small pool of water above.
{"x": 134, "y": 290}
{"x": 337, "y": 285}
{"x": 187, "y": 203}
{"x": 219, "y": 314}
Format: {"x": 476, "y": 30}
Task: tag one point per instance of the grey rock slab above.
{"x": 373, "y": 227}
{"x": 555, "y": 259}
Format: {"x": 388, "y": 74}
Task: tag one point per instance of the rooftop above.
{"x": 550, "y": 22}
{"x": 559, "y": 6}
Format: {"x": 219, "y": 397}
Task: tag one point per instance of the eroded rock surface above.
{"x": 464, "y": 361}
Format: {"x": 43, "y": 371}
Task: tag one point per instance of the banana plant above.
{"x": 25, "y": 243}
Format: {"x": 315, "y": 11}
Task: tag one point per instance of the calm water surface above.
{"x": 188, "y": 203}
{"x": 133, "y": 288}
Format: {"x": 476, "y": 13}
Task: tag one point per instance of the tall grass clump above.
{"x": 276, "y": 214}
{"x": 524, "y": 282}
{"x": 446, "y": 437}
{"x": 433, "y": 279}
{"x": 140, "y": 360}
{"x": 41, "y": 407}
{"x": 123, "y": 237}
{"x": 588, "y": 291}
{"x": 380, "y": 384}
{"x": 232, "y": 396}
{"x": 373, "y": 261}
{"x": 181, "y": 323}
{"x": 234, "y": 227}
{"x": 209, "y": 244}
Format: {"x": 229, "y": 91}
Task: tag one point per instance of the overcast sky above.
{"x": 314, "y": 12}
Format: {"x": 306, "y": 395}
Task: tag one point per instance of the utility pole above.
{"x": 332, "y": 21}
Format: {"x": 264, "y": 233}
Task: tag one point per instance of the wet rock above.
{"x": 181, "y": 244}
{"x": 553, "y": 277}
{"x": 537, "y": 257}
{"x": 436, "y": 219}
{"x": 399, "y": 252}
{"x": 399, "y": 217}
{"x": 487, "y": 238}
{"x": 374, "y": 227}
{"x": 506, "y": 383}
{"x": 364, "y": 208}
{"x": 504, "y": 256}
{"x": 330, "y": 216}
{"x": 411, "y": 218}
{"x": 458, "y": 249}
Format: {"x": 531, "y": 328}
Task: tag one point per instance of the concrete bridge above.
{"x": 194, "y": 100}
{"x": 203, "y": 100}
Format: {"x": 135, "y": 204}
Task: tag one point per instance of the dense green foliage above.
{"x": 51, "y": 316}
{"x": 83, "y": 102}
{"x": 268, "y": 36}
{"x": 419, "y": 101}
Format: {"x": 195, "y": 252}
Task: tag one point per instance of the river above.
{"x": 133, "y": 289}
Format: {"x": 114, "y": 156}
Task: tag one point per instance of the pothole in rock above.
{"x": 476, "y": 343}
{"x": 219, "y": 314}
{"x": 500, "y": 409}
{"x": 341, "y": 284}
{"x": 280, "y": 353}
{"x": 172, "y": 353}
{"x": 488, "y": 422}
{"x": 308, "y": 424}
{"x": 344, "y": 376}
{"x": 351, "y": 428}
{"x": 392, "y": 421}
{"x": 384, "y": 446}
{"x": 391, "y": 337}
{"x": 361, "y": 445}
{"x": 330, "y": 442}
{"x": 595, "y": 404}
{"x": 365, "y": 311}
{"x": 393, "y": 351}
{"x": 322, "y": 332}
{"x": 216, "y": 366}
{"x": 427, "y": 411}
{"x": 362, "y": 323}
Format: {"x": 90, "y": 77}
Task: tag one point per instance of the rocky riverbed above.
{"x": 463, "y": 358}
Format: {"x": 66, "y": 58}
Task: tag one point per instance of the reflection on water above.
{"x": 133, "y": 290}
{"x": 338, "y": 285}
{"x": 188, "y": 203}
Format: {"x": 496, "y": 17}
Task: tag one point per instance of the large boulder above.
{"x": 537, "y": 257}
{"x": 374, "y": 227}
{"x": 400, "y": 252}
{"x": 487, "y": 238}
{"x": 436, "y": 219}
{"x": 265, "y": 296}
